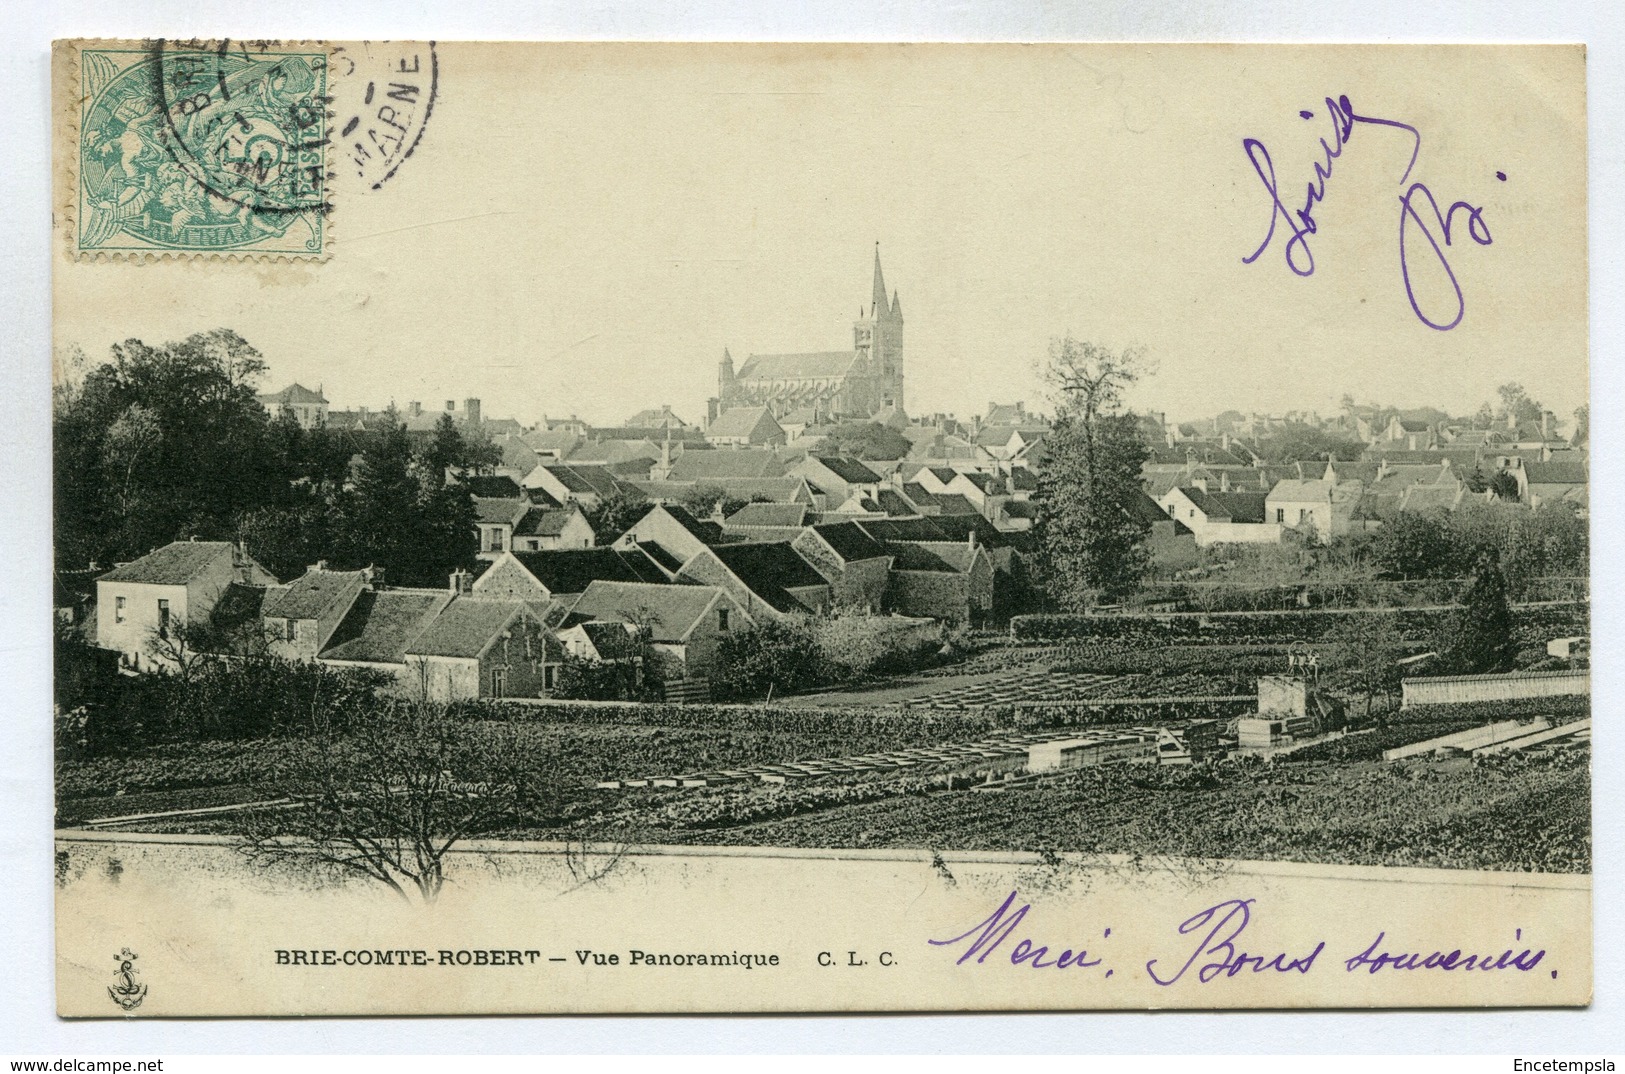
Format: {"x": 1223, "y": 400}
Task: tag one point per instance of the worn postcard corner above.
{"x": 819, "y": 528}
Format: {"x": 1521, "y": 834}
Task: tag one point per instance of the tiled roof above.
{"x": 1301, "y": 491}
{"x": 935, "y": 528}
{"x": 712, "y": 465}
{"x": 580, "y": 479}
{"x": 544, "y": 521}
{"x": 768, "y": 569}
{"x": 704, "y": 530}
{"x": 611, "y": 640}
{"x": 465, "y": 627}
{"x": 892, "y": 502}
{"x": 849, "y": 470}
{"x": 294, "y": 393}
{"x": 1555, "y": 473}
{"x": 505, "y": 512}
{"x": 768, "y": 514}
{"x": 755, "y": 422}
{"x": 670, "y": 611}
{"x": 311, "y": 594}
{"x": 175, "y": 563}
{"x": 1423, "y": 497}
{"x": 952, "y": 503}
{"x": 656, "y": 417}
{"x": 517, "y": 454}
{"x": 987, "y": 484}
{"x": 917, "y": 494}
{"x": 493, "y": 487}
{"x": 919, "y": 556}
{"x": 381, "y": 624}
{"x": 572, "y": 570}
{"x": 850, "y": 542}
{"x": 796, "y": 366}
{"x": 602, "y": 452}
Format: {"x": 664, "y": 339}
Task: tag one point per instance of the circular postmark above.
{"x": 192, "y": 146}
{"x": 386, "y": 92}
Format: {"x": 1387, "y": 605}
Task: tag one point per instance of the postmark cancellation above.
{"x": 196, "y": 148}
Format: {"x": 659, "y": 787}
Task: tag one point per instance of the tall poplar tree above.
{"x": 1090, "y": 533}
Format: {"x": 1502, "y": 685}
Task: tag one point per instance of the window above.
{"x": 293, "y": 630}
{"x": 499, "y": 682}
{"x": 1302, "y": 514}
{"x": 1280, "y": 514}
{"x": 722, "y": 619}
{"x": 163, "y": 618}
{"x": 118, "y": 609}
{"x": 550, "y": 676}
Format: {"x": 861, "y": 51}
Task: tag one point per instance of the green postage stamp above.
{"x": 197, "y": 148}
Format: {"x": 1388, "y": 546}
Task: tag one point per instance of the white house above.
{"x": 139, "y": 603}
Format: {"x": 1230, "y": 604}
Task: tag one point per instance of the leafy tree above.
{"x": 702, "y": 500}
{"x": 1484, "y": 417}
{"x": 869, "y": 441}
{"x": 287, "y": 538}
{"x": 447, "y": 449}
{"x": 1366, "y": 653}
{"x": 1305, "y": 443}
{"x": 397, "y": 517}
{"x": 1415, "y": 545}
{"x": 1516, "y": 404}
{"x": 1480, "y": 638}
{"x": 616, "y": 513}
{"x": 1089, "y": 531}
{"x": 159, "y": 443}
{"x": 1504, "y": 485}
{"x": 782, "y": 657}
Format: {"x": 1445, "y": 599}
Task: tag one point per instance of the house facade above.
{"x": 140, "y": 603}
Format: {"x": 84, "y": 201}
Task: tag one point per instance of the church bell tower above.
{"x": 877, "y": 336}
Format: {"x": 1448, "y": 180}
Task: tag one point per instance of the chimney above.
{"x": 1224, "y": 480}
{"x": 1224, "y": 441}
{"x": 1021, "y": 408}
{"x": 1545, "y": 424}
{"x": 461, "y": 582}
{"x": 471, "y": 411}
{"x": 319, "y": 565}
{"x": 451, "y": 405}
{"x": 414, "y": 409}
{"x": 970, "y": 539}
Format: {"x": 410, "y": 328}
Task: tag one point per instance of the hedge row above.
{"x": 1241, "y": 627}
{"x": 1562, "y": 708}
{"x": 1230, "y": 596}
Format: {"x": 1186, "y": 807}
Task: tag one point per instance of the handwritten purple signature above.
{"x": 1216, "y": 953}
{"x": 1424, "y": 228}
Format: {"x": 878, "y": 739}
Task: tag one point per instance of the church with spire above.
{"x": 859, "y": 384}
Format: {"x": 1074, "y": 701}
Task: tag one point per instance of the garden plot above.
{"x": 1068, "y": 686}
{"x": 996, "y": 751}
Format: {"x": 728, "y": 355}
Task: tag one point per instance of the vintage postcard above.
{"x": 562, "y": 528}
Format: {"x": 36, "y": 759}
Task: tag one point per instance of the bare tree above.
{"x": 1086, "y": 380}
{"x": 388, "y": 798}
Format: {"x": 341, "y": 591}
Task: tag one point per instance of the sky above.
{"x": 585, "y": 230}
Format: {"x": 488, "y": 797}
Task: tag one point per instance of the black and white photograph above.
{"x": 611, "y": 528}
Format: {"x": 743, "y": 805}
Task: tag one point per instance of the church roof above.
{"x": 796, "y": 366}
